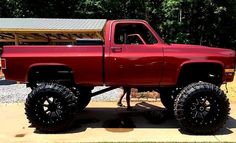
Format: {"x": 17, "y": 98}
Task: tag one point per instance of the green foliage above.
{"x": 205, "y": 22}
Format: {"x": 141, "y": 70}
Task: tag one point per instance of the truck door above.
{"x": 135, "y": 56}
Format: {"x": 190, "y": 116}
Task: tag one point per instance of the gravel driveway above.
{"x": 12, "y": 93}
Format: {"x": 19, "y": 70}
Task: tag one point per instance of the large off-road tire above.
{"x": 83, "y": 99}
{"x": 50, "y": 107}
{"x": 201, "y": 108}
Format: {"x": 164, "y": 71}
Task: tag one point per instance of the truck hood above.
{"x": 187, "y": 45}
{"x": 203, "y": 49}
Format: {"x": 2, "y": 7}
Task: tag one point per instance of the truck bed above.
{"x": 81, "y": 60}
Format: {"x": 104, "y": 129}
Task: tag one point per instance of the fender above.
{"x": 198, "y": 62}
{"x": 44, "y": 65}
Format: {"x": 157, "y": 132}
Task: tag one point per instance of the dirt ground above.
{"x": 104, "y": 122}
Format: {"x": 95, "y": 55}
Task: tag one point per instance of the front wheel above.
{"x": 201, "y": 108}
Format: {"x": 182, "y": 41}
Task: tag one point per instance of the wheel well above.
{"x": 50, "y": 73}
{"x": 207, "y": 72}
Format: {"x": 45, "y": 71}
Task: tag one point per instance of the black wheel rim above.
{"x": 49, "y": 109}
{"x": 203, "y": 109}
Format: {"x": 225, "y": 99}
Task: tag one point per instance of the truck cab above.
{"x": 136, "y": 56}
{"x": 133, "y": 49}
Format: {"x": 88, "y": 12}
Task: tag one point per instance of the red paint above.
{"x": 134, "y": 65}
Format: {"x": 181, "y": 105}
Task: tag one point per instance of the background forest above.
{"x": 203, "y": 22}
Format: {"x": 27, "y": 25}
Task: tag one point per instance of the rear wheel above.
{"x": 50, "y": 107}
{"x": 201, "y": 108}
{"x": 83, "y": 95}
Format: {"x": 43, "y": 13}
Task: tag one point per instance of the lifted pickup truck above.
{"x": 132, "y": 55}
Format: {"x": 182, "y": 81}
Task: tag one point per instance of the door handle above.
{"x": 116, "y": 49}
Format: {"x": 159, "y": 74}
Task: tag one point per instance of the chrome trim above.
{"x": 111, "y": 30}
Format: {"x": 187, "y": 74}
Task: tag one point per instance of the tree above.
{"x": 205, "y": 22}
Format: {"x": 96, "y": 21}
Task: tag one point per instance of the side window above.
{"x": 134, "y": 39}
{"x": 133, "y": 34}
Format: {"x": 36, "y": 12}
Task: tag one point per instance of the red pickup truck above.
{"x": 131, "y": 55}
